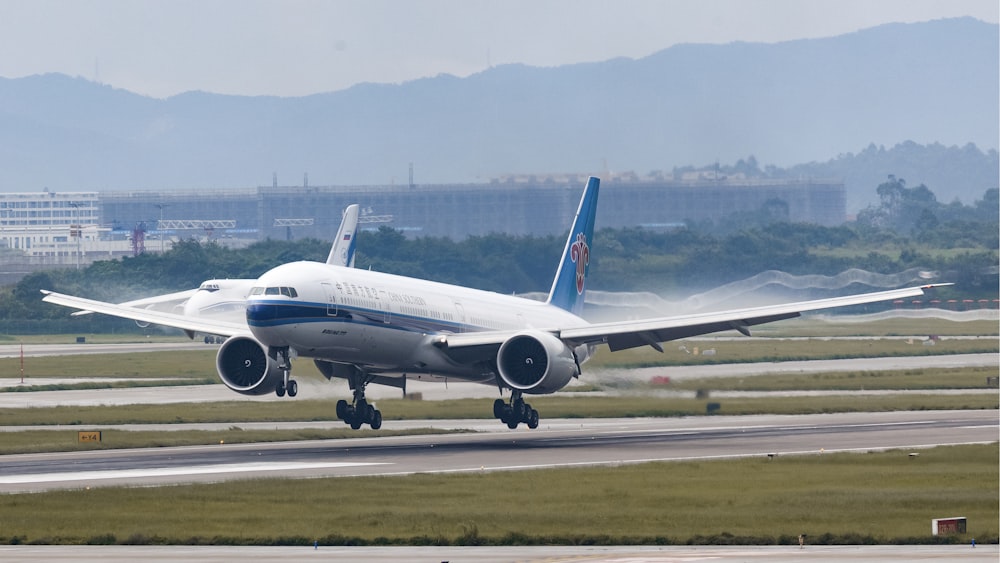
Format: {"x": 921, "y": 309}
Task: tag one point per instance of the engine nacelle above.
{"x": 536, "y": 362}
{"x": 244, "y": 366}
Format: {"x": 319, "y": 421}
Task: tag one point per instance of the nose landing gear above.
{"x": 287, "y": 385}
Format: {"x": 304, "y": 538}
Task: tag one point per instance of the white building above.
{"x": 50, "y": 224}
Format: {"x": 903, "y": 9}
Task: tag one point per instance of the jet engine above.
{"x": 244, "y": 366}
{"x": 536, "y": 362}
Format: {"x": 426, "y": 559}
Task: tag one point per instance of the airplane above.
{"x": 373, "y": 327}
{"x": 226, "y": 298}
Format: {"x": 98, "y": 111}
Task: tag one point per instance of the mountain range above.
{"x": 797, "y": 103}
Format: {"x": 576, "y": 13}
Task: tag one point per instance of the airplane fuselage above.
{"x": 383, "y": 321}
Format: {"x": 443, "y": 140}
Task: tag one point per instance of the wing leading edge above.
{"x": 651, "y": 332}
{"x": 186, "y": 323}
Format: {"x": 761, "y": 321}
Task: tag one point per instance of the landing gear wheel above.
{"x": 515, "y": 412}
{"x": 533, "y": 419}
{"x": 517, "y": 409}
{"x": 498, "y": 408}
{"x": 293, "y": 388}
{"x": 349, "y": 415}
{"x": 280, "y": 391}
{"x": 506, "y": 414}
{"x": 359, "y": 412}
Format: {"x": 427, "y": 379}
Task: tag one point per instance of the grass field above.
{"x": 885, "y": 497}
{"x": 692, "y": 352}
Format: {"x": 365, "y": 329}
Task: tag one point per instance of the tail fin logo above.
{"x": 579, "y": 253}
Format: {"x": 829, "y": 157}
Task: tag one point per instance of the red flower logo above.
{"x": 579, "y": 253}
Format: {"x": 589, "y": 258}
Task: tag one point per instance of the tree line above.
{"x": 908, "y": 229}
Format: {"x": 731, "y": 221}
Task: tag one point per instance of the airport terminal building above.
{"x": 67, "y": 227}
{"x": 518, "y": 206}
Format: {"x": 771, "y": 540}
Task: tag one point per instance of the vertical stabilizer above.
{"x": 569, "y": 286}
{"x": 342, "y": 251}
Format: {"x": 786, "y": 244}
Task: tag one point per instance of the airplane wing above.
{"x": 190, "y": 325}
{"x": 650, "y": 332}
{"x": 162, "y": 302}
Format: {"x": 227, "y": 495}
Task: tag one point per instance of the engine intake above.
{"x": 244, "y": 367}
{"x": 536, "y": 362}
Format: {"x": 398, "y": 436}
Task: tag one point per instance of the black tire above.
{"x": 377, "y": 420}
{"x": 293, "y": 388}
{"x": 513, "y": 424}
{"x": 280, "y": 391}
{"x": 533, "y": 419}
{"x": 498, "y": 408}
{"x": 521, "y": 410}
{"x": 507, "y": 415}
{"x": 342, "y": 409}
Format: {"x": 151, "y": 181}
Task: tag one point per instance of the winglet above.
{"x": 569, "y": 285}
{"x": 342, "y": 251}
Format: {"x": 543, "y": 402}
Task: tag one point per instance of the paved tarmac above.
{"x": 557, "y": 443}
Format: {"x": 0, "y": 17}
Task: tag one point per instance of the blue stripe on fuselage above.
{"x": 284, "y": 312}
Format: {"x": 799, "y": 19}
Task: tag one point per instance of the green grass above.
{"x": 681, "y": 353}
{"x": 196, "y": 365}
{"x": 885, "y": 497}
{"x": 915, "y": 379}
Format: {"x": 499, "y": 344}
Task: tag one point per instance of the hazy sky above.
{"x": 298, "y": 47}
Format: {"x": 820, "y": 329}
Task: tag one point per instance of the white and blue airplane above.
{"x": 371, "y": 327}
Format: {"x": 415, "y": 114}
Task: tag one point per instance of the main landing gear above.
{"x": 516, "y": 412}
{"x": 287, "y": 385}
{"x": 360, "y": 412}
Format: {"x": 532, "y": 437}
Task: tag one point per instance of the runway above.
{"x": 558, "y": 443}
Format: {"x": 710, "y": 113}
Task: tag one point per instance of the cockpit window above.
{"x": 286, "y": 291}
{"x": 257, "y": 291}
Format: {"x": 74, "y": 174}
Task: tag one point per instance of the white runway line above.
{"x": 173, "y": 471}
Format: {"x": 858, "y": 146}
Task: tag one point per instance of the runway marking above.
{"x": 174, "y": 471}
